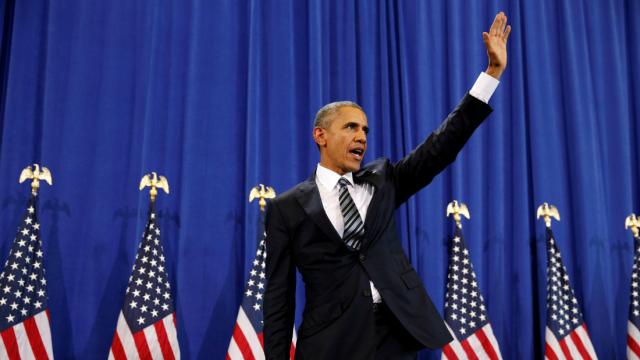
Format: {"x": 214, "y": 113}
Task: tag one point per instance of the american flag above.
{"x": 24, "y": 318}
{"x": 633, "y": 335}
{"x": 147, "y": 323}
{"x": 247, "y": 341}
{"x": 464, "y": 310}
{"x": 566, "y": 333}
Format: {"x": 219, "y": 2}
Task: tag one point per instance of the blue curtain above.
{"x": 220, "y": 95}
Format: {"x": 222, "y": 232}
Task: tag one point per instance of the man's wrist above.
{"x": 494, "y": 71}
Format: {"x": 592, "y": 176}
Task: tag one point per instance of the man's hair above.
{"x": 327, "y": 112}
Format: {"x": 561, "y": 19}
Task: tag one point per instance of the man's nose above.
{"x": 361, "y": 137}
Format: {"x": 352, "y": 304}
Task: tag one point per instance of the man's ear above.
{"x": 318, "y": 136}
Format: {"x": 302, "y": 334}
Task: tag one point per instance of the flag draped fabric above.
{"x": 24, "y": 318}
{"x": 633, "y": 324}
{"x": 566, "y": 333}
{"x": 464, "y": 308}
{"x": 247, "y": 341}
{"x": 147, "y": 323}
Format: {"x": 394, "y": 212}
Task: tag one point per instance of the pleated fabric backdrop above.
{"x": 220, "y": 95}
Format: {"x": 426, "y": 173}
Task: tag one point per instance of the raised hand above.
{"x": 496, "y": 43}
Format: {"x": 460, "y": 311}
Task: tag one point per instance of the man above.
{"x": 364, "y": 300}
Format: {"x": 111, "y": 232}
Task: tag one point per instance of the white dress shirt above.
{"x": 327, "y": 180}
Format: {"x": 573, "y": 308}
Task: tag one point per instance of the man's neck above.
{"x": 332, "y": 168}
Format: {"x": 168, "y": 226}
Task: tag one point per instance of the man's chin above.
{"x": 354, "y": 167}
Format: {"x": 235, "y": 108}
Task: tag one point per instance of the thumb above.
{"x": 485, "y": 37}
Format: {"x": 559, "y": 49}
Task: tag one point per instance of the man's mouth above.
{"x": 357, "y": 153}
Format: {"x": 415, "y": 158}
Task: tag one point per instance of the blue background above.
{"x": 220, "y": 95}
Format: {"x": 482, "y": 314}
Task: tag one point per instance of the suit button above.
{"x": 362, "y": 257}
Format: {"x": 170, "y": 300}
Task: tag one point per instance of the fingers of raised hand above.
{"x": 499, "y": 28}
{"x": 505, "y": 37}
{"x": 494, "y": 30}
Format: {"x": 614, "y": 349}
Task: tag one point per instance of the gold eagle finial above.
{"x": 547, "y": 212}
{"x": 35, "y": 175}
{"x": 262, "y": 192}
{"x": 634, "y": 223}
{"x": 458, "y": 209}
{"x": 154, "y": 181}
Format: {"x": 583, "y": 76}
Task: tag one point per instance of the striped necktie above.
{"x": 353, "y": 225}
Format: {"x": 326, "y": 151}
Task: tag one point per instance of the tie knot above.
{"x": 343, "y": 182}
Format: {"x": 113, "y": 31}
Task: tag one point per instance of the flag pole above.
{"x": 253, "y": 297}
{"x": 565, "y": 325}
{"x": 262, "y": 192}
{"x": 35, "y": 175}
{"x": 458, "y": 209}
{"x": 147, "y": 321}
{"x": 547, "y": 212}
{"x": 465, "y": 313}
{"x": 632, "y": 222}
{"x": 24, "y": 273}
{"x": 154, "y": 181}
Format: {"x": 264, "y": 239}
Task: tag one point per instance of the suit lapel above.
{"x": 309, "y": 197}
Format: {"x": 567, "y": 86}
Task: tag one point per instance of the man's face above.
{"x": 344, "y": 142}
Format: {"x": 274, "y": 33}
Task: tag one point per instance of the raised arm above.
{"x": 442, "y": 146}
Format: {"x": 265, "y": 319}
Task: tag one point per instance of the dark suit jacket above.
{"x": 338, "y": 320}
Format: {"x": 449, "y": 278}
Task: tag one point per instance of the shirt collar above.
{"x": 329, "y": 178}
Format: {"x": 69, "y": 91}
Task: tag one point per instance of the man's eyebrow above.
{"x": 350, "y": 123}
{"x": 365, "y": 128}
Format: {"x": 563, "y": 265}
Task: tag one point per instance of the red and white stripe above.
{"x": 576, "y": 345}
{"x": 30, "y": 339}
{"x": 157, "y": 341}
{"x": 480, "y": 345}
{"x": 247, "y": 344}
{"x": 633, "y": 342}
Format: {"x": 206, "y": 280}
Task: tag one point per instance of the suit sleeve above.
{"x": 279, "y": 301}
{"x": 440, "y": 149}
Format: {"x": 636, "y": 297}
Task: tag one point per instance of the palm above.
{"x": 496, "y": 43}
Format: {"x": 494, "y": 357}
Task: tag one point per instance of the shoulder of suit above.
{"x": 378, "y": 165}
{"x": 374, "y": 172}
{"x": 290, "y": 194}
